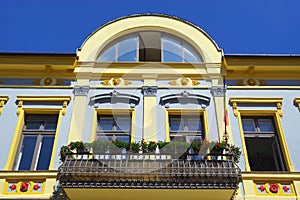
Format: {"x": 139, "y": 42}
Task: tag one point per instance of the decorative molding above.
{"x": 81, "y": 90}
{"x": 250, "y": 70}
{"x": 218, "y": 91}
{"x": 3, "y": 101}
{"x": 114, "y": 97}
{"x": 297, "y": 102}
{"x": 20, "y": 105}
{"x": 116, "y": 82}
{"x": 48, "y": 81}
{"x": 248, "y": 100}
{"x": 48, "y": 69}
{"x": 64, "y": 108}
{"x": 274, "y": 189}
{"x": 20, "y": 187}
{"x": 251, "y": 81}
{"x": 64, "y": 99}
{"x": 184, "y": 97}
{"x": 149, "y": 90}
{"x": 184, "y": 82}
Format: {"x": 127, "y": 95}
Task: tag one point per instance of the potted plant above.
{"x": 100, "y": 146}
{"x": 144, "y": 146}
{"x": 135, "y": 147}
{"x": 64, "y": 151}
{"x": 152, "y": 146}
{"x": 236, "y": 152}
{"x": 196, "y": 146}
{"x": 218, "y": 147}
{"x": 78, "y": 146}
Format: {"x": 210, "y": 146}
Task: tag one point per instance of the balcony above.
{"x": 119, "y": 175}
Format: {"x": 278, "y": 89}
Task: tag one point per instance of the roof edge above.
{"x": 157, "y": 15}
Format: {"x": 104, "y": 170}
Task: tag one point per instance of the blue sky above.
{"x": 238, "y": 26}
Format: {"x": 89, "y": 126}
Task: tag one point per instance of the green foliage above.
{"x": 76, "y": 145}
{"x": 63, "y": 151}
{"x": 135, "y": 147}
{"x": 236, "y": 152}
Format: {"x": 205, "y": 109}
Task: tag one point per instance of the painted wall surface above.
{"x": 290, "y": 120}
{"x": 9, "y": 118}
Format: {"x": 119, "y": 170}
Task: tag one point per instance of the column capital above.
{"x": 218, "y": 91}
{"x": 149, "y": 90}
{"x": 80, "y": 90}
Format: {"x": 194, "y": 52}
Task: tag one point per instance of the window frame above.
{"x": 111, "y": 112}
{"x": 184, "y": 46}
{"x": 60, "y": 110}
{"x": 264, "y": 135}
{"x": 187, "y": 112}
{"x": 276, "y": 115}
{"x": 40, "y": 133}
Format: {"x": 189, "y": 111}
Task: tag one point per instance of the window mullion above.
{"x": 35, "y": 154}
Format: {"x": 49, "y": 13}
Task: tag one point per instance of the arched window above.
{"x": 149, "y": 46}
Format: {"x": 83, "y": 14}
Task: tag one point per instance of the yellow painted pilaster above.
{"x": 150, "y": 118}
{"x": 249, "y": 190}
{"x": 79, "y": 108}
{"x": 149, "y": 108}
{"x": 297, "y": 188}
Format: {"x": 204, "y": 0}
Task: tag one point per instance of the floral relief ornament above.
{"x": 36, "y": 187}
{"x": 273, "y": 188}
{"x": 13, "y": 187}
{"x": 24, "y": 186}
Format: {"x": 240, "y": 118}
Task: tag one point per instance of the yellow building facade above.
{"x": 157, "y": 97}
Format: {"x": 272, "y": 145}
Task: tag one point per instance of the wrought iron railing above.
{"x": 149, "y": 171}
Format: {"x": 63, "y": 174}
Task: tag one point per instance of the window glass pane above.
{"x": 105, "y": 124}
{"x": 194, "y": 124}
{"x": 45, "y": 152}
{"x": 33, "y": 125}
{"x": 171, "y": 50}
{"x": 27, "y": 151}
{"x": 264, "y": 154}
{"x": 123, "y": 138}
{"x": 248, "y": 125}
{"x": 123, "y": 123}
{"x": 176, "y": 124}
{"x": 265, "y": 125}
{"x": 108, "y": 55}
{"x": 190, "y": 55}
{"x": 127, "y": 50}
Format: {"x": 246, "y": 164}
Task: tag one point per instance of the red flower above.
{"x": 12, "y": 187}
{"x": 274, "y": 188}
{"x": 24, "y": 186}
{"x": 285, "y": 188}
{"x": 262, "y": 188}
{"x": 36, "y": 187}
